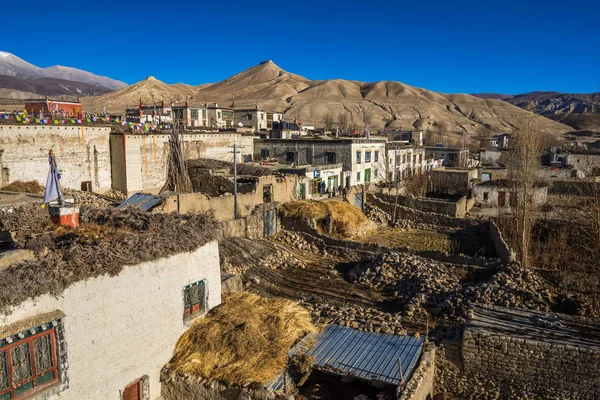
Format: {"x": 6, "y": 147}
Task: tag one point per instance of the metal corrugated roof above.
{"x": 365, "y": 355}
{"x": 144, "y": 202}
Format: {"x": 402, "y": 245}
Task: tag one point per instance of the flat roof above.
{"x": 328, "y": 141}
{"x": 535, "y": 325}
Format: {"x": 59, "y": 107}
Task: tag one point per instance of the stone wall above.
{"x": 82, "y": 153}
{"x": 139, "y": 162}
{"x": 515, "y": 366}
{"x": 503, "y": 251}
{"x": 178, "y": 387}
{"x": 282, "y": 190}
{"x": 575, "y": 187}
{"x": 421, "y": 384}
{"x": 121, "y": 328}
{"x": 424, "y": 217}
{"x": 453, "y": 208}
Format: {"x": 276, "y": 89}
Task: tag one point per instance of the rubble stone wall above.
{"x": 123, "y": 327}
{"x": 421, "y": 384}
{"x": 177, "y": 387}
{"x": 525, "y": 368}
{"x": 451, "y": 208}
{"x": 503, "y": 251}
{"x": 422, "y": 217}
{"x": 82, "y": 153}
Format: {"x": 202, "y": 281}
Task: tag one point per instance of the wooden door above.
{"x": 132, "y": 392}
{"x": 501, "y": 199}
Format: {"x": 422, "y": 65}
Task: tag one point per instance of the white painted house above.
{"x": 106, "y": 337}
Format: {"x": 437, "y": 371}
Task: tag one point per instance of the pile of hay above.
{"x": 25, "y": 187}
{"x": 245, "y": 340}
{"x": 331, "y": 217}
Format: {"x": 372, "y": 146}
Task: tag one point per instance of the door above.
{"x": 270, "y": 223}
{"x": 132, "y": 392}
{"x": 501, "y": 199}
{"x": 367, "y": 175}
{"x": 302, "y": 191}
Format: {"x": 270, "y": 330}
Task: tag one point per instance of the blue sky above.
{"x": 446, "y": 46}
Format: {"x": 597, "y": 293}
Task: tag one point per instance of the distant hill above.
{"x": 580, "y": 111}
{"x": 17, "y": 74}
{"x": 51, "y": 87}
{"x": 148, "y": 90}
{"x": 380, "y": 104}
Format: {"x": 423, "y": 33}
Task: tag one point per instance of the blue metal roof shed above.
{"x": 365, "y": 355}
{"x": 144, "y": 202}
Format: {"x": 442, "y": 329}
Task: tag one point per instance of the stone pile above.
{"x": 424, "y": 286}
{"x": 376, "y": 214}
{"x": 116, "y": 195}
{"x": 360, "y": 318}
{"x": 281, "y": 260}
{"x": 87, "y": 198}
{"x": 297, "y": 241}
{"x": 514, "y": 286}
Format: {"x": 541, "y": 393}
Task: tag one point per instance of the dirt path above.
{"x": 322, "y": 279}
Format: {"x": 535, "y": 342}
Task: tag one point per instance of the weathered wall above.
{"x": 283, "y": 190}
{"x": 540, "y": 195}
{"x": 82, "y": 154}
{"x": 451, "y": 181}
{"x": 120, "y": 328}
{"x": 493, "y": 157}
{"x": 455, "y": 208}
{"x": 535, "y": 368}
{"x": 575, "y": 187}
{"x": 139, "y": 162}
{"x": 503, "y": 251}
{"x": 588, "y": 163}
{"x": 177, "y": 387}
{"x": 421, "y": 384}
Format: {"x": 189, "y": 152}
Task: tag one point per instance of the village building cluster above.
{"x": 114, "y": 300}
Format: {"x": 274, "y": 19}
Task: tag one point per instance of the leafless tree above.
{"x": 523, "y": 163}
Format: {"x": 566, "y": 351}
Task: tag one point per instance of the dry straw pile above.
{"x": 331, "y": 217}
{"x": 245, "y": 340}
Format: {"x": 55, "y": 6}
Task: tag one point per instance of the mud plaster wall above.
{"x": 82, "y": 153}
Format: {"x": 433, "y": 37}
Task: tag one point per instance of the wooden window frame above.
{"x": 367, "y": 156}
{"x": 35, "y": 375}
{"x": 191, "y": 310}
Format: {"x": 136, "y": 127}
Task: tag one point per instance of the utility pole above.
{"x": 235, "y": 200}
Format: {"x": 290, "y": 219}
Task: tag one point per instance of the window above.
{"x": 358, "y": 177}
{"x": 367, "y": 156}
{"x": 28, "y": 362}
{"x": 249, "y": 117}
{"x": 376, "y": 156}
{"x": 358, "y": 157}
{"x": 218, "y": 114}
{"x": 290, "y": 156}
{"x": 264, "y": 153}
{"x": 194, "y": 114}
{"x": 330, "y": 158}
{"x": 194, "y": 296}
{"x": 486, "y": 196}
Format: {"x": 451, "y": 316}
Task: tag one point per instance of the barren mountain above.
{"x": 580, "y": 111}
{"x": 51, "y": 87}
{"x": 77, "y": 75}
{"x": 149, "y": 90}
{"x": 13, "y": 66}
{"x": 553, "y": 102}
{"x": 380, "y": 104}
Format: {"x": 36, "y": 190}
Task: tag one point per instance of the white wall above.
{"x": 377, "y": 168}
{"x": 139, "y": 162}
{"x": 121, "y": 328}
{"x": 82, "y": 153}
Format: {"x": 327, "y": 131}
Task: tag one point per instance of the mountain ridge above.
{"x": 381, "y": 104}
